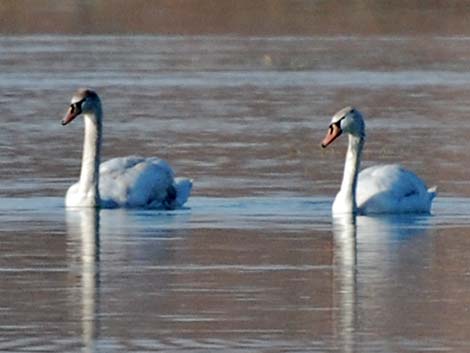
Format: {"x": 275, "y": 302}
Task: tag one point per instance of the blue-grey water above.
{"x": 255, "y": 263}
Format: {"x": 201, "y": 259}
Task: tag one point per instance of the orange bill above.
{"x": 71, "y": 114}
{"x": 333, "y": 132}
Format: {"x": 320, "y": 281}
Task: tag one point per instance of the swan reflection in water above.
{"x": 372, "y": 259}
{"x": 104, "y": 241}
{"x": 83, "y": 229}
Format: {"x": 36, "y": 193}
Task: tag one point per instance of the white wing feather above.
{"x": 137, "y": 182}
{"x": 392, "y": 189}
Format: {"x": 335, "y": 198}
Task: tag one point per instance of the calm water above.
{"x": 255, "y": 263}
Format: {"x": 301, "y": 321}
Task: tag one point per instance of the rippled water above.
{"x": 255, "y": 262}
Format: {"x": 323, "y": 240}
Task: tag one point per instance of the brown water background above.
{"x": 237, "y": 96}
{"x": 245, "y": 17}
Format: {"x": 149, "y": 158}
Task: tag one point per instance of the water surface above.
{"x": 255, "y": 262}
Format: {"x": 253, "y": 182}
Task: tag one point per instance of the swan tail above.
{"x": 432, "y": 192}
{"x": 183, "y": 188}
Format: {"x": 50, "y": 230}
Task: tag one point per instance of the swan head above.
{"x": 348, "y": 120}
{"x": 84, "y": 101}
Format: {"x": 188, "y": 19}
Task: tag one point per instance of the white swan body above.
{"x": 128, "y": 182}
{"x": 378, "y": 189}
{"x": 392, "y": 189}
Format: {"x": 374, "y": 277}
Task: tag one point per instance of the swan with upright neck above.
{"x": 127, "y": 182}
{"x": 378, "y": 189}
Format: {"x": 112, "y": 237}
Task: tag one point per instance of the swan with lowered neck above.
{"x": 128, "y": 182}
{"x": 378, "y": 189}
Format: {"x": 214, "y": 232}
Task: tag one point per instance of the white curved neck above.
{"x": 89, "y": 175}
{"x": 347, "y": 194}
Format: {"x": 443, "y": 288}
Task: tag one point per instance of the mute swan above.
{"x": 378, "y": 189}
{"x": 130, "y": 182}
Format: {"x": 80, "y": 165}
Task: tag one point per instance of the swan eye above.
{"x": 77, "y": 107}
{"x": 336, "y": 125}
